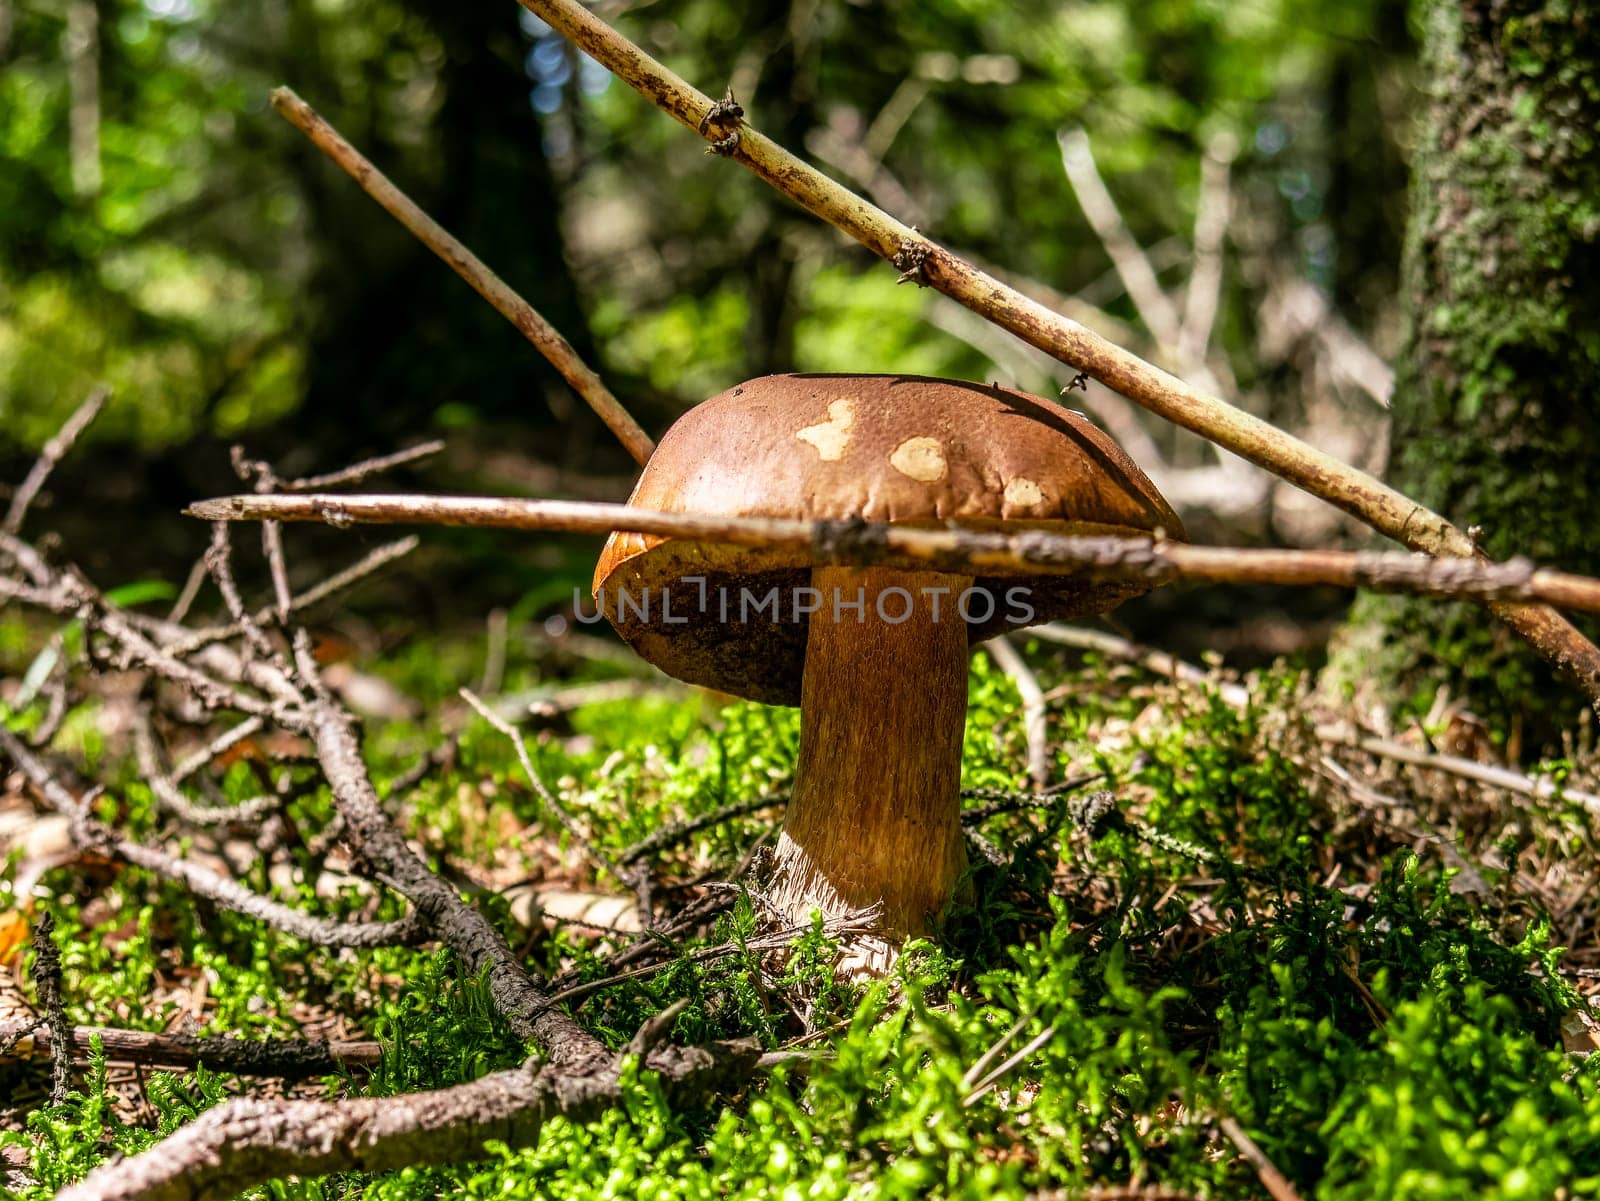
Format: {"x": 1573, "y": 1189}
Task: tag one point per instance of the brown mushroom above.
{"x": 876, "y": 657}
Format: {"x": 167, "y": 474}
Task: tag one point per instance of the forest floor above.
{"x": 1240, "y": 957}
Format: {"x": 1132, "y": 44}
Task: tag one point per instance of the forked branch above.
{"x": 954, "y": 549}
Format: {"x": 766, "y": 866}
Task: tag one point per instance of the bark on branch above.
{"x": 953, "y": 549}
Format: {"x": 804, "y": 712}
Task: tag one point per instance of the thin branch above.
{"x": 996, "y": 1049}
{"x": 166, "y": 791}
{"x": 681, "y": 831}
{"x": 469, "y": 267}
{"x": 554, "y": 805}
{"x": 1161, "y": 663}
{"x": 1250, "y": 437}
{"x": 480, "y": 946}
{"x": 1000, "y": 1073}
{"x": 190, "y": 591}
{"x": 54, "y": 451}
{"x": 289, "y": 1059}
{"x": 843, "y": 928}
{"x": 954, "y": 548}
{"x": 357, "y": 472}
{"x": 1539, "y": 787}
{"x": 369, "y": 563}
{"x": 1008, "y": 660}
{"x": 1273, "y": 1180}
{"x": 1003, "y": 800}
{"x": 197, "y": 878}
{"x": 1166, "y": 664}
{"x": 219, "y": 561}
{"x": 222, "y": 743}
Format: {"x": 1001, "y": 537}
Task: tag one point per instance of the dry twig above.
{"x": 953, "y": 548}
{"x": 246, "y": 1142}
{"x": 544, "y": 336}
{"x": 54, "y": 451}
{"x": 197, "y": 878}
{"x": 1273, "y": 1180}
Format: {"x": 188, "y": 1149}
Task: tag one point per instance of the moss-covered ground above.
{"x": 1360, "y": 964}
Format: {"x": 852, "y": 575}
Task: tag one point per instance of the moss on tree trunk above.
{"x": 1498, "y": 385}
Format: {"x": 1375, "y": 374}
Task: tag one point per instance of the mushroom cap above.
{"x": 881, "y": 448}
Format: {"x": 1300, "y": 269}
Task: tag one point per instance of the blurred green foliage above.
{"x": 162, "y": 230}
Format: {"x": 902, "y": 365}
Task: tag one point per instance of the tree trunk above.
{"x": 1498, "y": 385}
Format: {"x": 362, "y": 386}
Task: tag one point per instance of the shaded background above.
{"x": 162, "y": 230}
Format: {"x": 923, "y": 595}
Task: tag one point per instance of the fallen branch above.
{"x": 244, "y": 1143}
{"x": 287, "y": 1059}
{"x": 1539, "y": 787}
{"x": 544, "y": 336}
{"x": 953, "y": 548}
{"x": 1347, "y": 488}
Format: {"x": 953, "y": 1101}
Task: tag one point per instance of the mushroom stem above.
{"x": 874, "y": 819}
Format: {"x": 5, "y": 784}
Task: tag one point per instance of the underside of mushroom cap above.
{"x": 902, "y": 449}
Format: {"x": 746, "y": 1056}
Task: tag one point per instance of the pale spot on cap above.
{"x": 921, "y": 459}
{"x": 1023, "y": 493}
{"x": 833, "y": 435}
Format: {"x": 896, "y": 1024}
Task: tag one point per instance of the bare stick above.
{"x": 166, "y": 791}
{"x": 951, "y": 549}
{"x": 1161, "y": 663}
{"x": 1165, "y": 664}
{"x": 999, "y": 1073}
{"x": 369, "y": 563}
{"x": 224, "y": 741}
{"x": 190, "y": 591}
{"x": 1539, "y": 787}
{"x": 1321, "y": 474}
{"x": 1008, "y": 660}
{"x": 469, "y": 267}
{"x": 54, "y": 451}
{"x": 219, "y": 561}
{"x": 290, "y": 1059}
